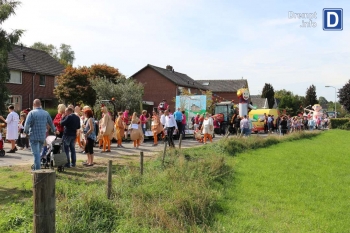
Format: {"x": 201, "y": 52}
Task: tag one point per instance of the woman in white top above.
{"x": 208, "y": 128}
{"x": 12, "y": 120}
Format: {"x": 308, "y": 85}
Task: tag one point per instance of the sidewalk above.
{"x": 25, "y": 157}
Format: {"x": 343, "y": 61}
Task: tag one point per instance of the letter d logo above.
{"x": 333, "y": 19}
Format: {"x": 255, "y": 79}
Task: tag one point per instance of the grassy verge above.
{"x": 184, "y": 196}
{"x": 302, "y": 186}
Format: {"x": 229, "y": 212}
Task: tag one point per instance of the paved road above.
{"x": 25, "y": 157}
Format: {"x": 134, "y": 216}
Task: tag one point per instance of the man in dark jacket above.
{"x": 71, "y": 123}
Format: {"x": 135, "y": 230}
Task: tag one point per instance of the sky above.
{"x": 255, "y": 39}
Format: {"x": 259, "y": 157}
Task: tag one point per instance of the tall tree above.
{"x": 323, "y": 102}
{"x": 49, "y": 48}
{"x": 7, "y": 40}
{"x": 127, "y": 92}
{"x": 310, "y": 97}
{"x": 269, "y": 93}
{"x": 344, "y": 96}
{"x": 290, "y": 103}
{"x": 74, "y": 85}
{"x": 65, "y": 55}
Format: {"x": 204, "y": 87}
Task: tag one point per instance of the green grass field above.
{"x": 296, "y": 183}
{"x": 299, "y": 186}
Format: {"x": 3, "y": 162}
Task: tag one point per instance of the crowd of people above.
{"x": 78, "y": 126}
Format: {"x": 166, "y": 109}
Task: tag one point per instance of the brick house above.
{"x": 32, "y": 77}
{"x": 160, "y": 83}
{"x": 226, "y": 90}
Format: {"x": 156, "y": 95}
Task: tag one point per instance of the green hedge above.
{"x": 52, "y": 112}
{"x": 338, "y": 123}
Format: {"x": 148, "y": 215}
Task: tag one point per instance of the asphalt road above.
{"x": 25, "y": 157}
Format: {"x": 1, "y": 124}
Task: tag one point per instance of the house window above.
{"x": 55, "y": 82}
{"x": 15, "y": 77}
{"x": 42, "y": 80}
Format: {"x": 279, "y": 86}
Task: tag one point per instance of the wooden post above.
{"x": 141, "y": 162}
{"x": 164, "y": 151}
{"x": 180, "y": 140}
{"x": 44, "y": 182}
{"x": 109, "y": 179}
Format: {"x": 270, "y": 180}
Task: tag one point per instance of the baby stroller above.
{"x": 2, "y": 152}
{"x": 53, "y": 155}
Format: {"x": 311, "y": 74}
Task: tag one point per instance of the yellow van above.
{"x": 257, "y": 117}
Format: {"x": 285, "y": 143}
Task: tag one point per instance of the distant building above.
{"x": 32, "y": 77}
{"x": 225, "y": 89}
{"x": 160, "y": 83}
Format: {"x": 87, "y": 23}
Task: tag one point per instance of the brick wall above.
{"x": 157, "y": 87}
{"x": 26, "y": 90}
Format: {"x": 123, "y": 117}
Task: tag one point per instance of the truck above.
{"x": 223, "y": 112}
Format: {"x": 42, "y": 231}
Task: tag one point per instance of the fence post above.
{"x": 109, "y": 179}
{"x": 141, "y": 162}
{"x": 180, "y": 140}
{"x": 164, "y": 151}
{"x": 44, "y": 182}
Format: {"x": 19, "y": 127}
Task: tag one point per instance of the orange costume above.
{"x": 157, "y": 128}
{"x": 120, "y": 126}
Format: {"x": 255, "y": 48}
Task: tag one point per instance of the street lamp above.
{"x": 335, "y": 101}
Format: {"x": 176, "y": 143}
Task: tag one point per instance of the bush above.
{"x": 337, "y": 123}
{"x": 52, "y": 112}
{"x": 346, "y": 126}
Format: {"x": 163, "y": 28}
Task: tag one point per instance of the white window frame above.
{"x": 21, "y": 81}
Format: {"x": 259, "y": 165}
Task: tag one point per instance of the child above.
{"x": 198, "y": 135}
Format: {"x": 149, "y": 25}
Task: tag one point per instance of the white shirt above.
{"x": 162, "y": 119}
{"x": 170, "y": 121}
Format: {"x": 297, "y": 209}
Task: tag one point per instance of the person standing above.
{"x": 77, "y": 111}
{"x": 170, "y": 126}
{"x": 144, "y": 121}
{"x": 23, "y": 141}
{"x": 90, "y": 136}
{"x": 283, "y": 125}
{"x": 244, "y": 124}
{"x": 207, "y": 128}
{"x": 35, "y": 126}
{"x": 11, "y": 120}
{"x": 136, "y": 134}
{"x": 184, "y": 123}
{"x": 178, "y": 119}
{"x": 120, "y": 126}
{"x": 107, "y": 128}
{"x": 156, "y": 128}
{"x": 71, "y": 123}
{"x": 126, "y": 122}
{"x": 60, "y": 112}
{"x": 196, "y": 121}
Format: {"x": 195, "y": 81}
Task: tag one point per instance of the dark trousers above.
{"x": 170, "y": 133}
{"x": 179, "y": 127}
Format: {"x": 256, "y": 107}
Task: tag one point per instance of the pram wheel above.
{"x": 2, "y": 153}
{"x": 32, "y": 167}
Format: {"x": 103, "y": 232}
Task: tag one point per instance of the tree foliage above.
{"x": 74, "y": 85}
{"x": 269, "y": 93}
{"x": 310, "y": 97}
{"x": 323, "y": 102}
{"x": 7, "y": 40}
{"x": 65, "y": 55}
{"x": 127, "y": 93}
{"x": 344, "y": 96}
{"x": 289, "y": 103}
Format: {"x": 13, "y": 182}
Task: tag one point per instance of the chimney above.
{"x": 170, "y": 68}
